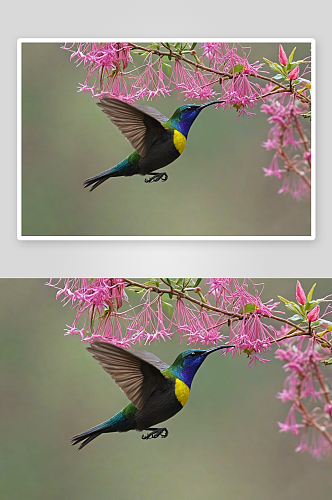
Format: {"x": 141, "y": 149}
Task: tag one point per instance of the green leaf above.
{"x": 292, "y": 330}
{"x": 197, "y": 282}
{"x": 238, "y": 68}
{"x": 278, "y": 69}
{"x": 193, "y": 46}
{"x": 168, "y": 66}
{"x": 291, "y": 66}
{"x": 284, "y": 300}
{"x": 294, "y": 308}
{"x": 169, "y": 306}
{"x": 313, "y": 304}
{"x": 327, "y": 324}
{"x": 237, "y": 106}
{"x": 327, "y": 362}
{"x": 290, "y": 59}
{"x": 154, "y": 46}
{"x": 280, "y": 77}
{"x": 296, "y": 317}
{"x": 308, "y": 82}
{"x": 250, "y": 308}
{"x": 309, "y": 296}
{"x": 152, "y": 282}
{"x": 136, "y": 290}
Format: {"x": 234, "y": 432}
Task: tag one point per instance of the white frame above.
{"x": 312, "y": 41}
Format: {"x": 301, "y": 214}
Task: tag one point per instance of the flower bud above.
{"x": 313, "y": 315}
{"x": 282, "y": 56}
{"x": 294, "y": 74}
{"x": 328, "y": 409}
{"x": 300, "y": 295}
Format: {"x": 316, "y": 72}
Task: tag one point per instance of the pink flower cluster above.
{"x": 291, "y": 162}
{"x": 247, "y": 331}
{"x": 97, "y": 303}
{"x": 154, "y": 76}
{"x": 305, "y": 386}
{"x": 307, "y": 390}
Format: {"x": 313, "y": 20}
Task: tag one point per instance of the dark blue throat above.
{"x": 183, "y": 124}
{"x": 187, "y": 373}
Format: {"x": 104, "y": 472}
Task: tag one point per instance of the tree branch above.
{"x": 225, "y": 74}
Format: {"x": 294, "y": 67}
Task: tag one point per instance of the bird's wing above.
{"x": 136, "y": 373}
{"x": 141, "y": 125}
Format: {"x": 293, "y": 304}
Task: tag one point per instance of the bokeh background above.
{"x": 216, "y": 188}
{"x": 224, "y": 444}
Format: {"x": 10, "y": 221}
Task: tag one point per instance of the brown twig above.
{"x": 304, "y": 140}
{"x": 288, "y": 163}
{"x": 324, "y": 388}
{"x": 307, "y": 418}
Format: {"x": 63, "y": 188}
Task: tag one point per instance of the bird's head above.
{"x": 187, "y": 363}
{"x": 184, "y": 116}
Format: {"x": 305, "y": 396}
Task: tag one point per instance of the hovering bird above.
{"x": 157, "y": 140}
{"x": 156, "y": 391}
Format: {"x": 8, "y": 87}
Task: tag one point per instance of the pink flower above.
{"x": 284, "y": 134}
{"x": 300, "y": 295}
{"x": 313, "y": 315}
{"x": 328, "y": 409}
{"x": 307, "y": 155}
{"x": 294, "y": 74}
{"x": 282, "y": 56}
{"x": 273, "y": 168}
{"x": 290, "y": 424}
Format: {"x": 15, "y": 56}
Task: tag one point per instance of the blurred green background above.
{"x": 224, "y": 444}
{"x": 216, "y": 188}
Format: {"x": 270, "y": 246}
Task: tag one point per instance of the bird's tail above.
{"x": 88, "y": 435}
{"x": 118, "y": 423}
{"x": 124, "y": 168}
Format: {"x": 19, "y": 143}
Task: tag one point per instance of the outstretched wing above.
{"x": 141, "y": 125}
{"x": 136, "y": 373}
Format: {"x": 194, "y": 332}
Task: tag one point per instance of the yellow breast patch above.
{"x": 181, "y": 391}
{"x": 179, "y": 141}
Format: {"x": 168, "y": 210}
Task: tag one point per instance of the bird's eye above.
{"x": 193, "y": 354}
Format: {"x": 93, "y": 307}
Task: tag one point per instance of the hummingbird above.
{"x": 157, "y": 140}
{"x": 156, "y": 390}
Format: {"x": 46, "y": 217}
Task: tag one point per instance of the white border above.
{"x": 312, "y": 237}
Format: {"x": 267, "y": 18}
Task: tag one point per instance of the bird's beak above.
{"x": 217, "y": 348}
{"x": 210, "y": 104}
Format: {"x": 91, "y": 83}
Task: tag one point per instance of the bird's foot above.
{"x": 155, "y": 432}
{"x": 156, "y": 177}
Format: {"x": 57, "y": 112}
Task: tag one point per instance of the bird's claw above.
{"x": 157, "y": 177}
{"x": 155, "y": 433}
